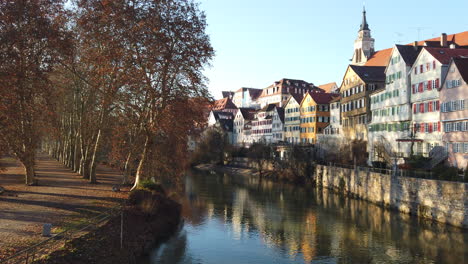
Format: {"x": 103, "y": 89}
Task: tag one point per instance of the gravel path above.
{"x": 61, "y": 198}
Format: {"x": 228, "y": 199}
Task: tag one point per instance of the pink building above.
{"x": 454, "y": 111}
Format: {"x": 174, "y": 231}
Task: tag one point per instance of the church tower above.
{"x": 364, "y": 44}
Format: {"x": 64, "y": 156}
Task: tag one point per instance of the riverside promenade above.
{"x": 63, "y": 198}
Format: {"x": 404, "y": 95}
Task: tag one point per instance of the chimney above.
{"x": 415, "y": 45}
{"x": 443, "y": 40}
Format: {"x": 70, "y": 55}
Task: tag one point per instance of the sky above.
{"x": 258, "y": 42}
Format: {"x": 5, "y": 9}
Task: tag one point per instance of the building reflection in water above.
{"x": 304, "y": 225}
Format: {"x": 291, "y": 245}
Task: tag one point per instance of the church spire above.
{"x": 364, "y": 44}
{"x": 364, "y": 25}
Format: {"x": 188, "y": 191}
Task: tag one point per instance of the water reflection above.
{"x": 239, "y": 220}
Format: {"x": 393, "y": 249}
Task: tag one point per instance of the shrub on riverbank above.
{"x": 210, "y": 149}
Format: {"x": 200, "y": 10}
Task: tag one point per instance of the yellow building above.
{"x": 315, "y": 115}
{"x": 358, "y": 83}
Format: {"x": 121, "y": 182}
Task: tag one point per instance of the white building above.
{"x": 278, "y": 125}
{"x": 426, "y": 78}
{"x": 292, "y": 122}
{"x": 332, "y": 136}
{"x": 242, "y": 126}
{"x": 262, "y": 125}
{"x": 391, "y": 107}
{"x": 224, "y": 122}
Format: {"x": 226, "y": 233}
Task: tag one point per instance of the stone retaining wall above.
{"x": 442, "y": 201}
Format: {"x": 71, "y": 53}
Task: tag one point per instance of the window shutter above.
{"x": 433, "y": 65}
{"x": 430, "y": 107}
{"x": 414, "y": 108}
{"x": 421, "y": 128}
{"x": 437, "y": 103}
{"x": 421, "y": 87}
{"x": 429, "y": 86}
{"x": 421, "y": 108}
{"x": 437, "y": 83}
{"x": 414, "y": 88}
{"x": 438, "y": 125}
{"x": 430, "y": 127}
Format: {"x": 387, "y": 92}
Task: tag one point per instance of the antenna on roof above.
{"x": 419, "y": 29}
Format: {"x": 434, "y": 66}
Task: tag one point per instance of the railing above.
{"x": 48, "y": 245}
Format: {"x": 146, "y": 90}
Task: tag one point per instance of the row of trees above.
{"x": 96, "y": 80}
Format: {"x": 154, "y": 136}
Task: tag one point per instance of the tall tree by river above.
{"x": 102, "y": 81}
{"x": 33, "y": 40}
{"x": 133, "y": 89}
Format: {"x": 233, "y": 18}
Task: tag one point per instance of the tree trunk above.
{"x": 127, "y": 169}
{"x": 29, "y": 173}
{"x": 93, "y": 165}
{"x": 76, "y": 156}
{"x": 138, "y": 176}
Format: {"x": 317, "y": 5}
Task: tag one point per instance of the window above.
{"x": 421, "y": 68}
{"x": 433, "y": 65}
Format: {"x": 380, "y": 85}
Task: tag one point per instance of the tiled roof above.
{"x": 369, "y": 73}
{"x": 436, "y": 44}
{"x": 227, "y": 94}
{"x": 268, "y": 107}
{"x": 280, "y": 111}
{"x": 224, "y": 103}
{"x": 336, "y": 98}
{"x": 223, "y": 115}
{"x": 297, "y": 97}
{"x": 460, "y": 39}
{"x": 328, "y": 87}
{"x": 443, "y": 55}
{"x": 462, "y": 66}
{"x": 322, "y": 98}
{"x": 408, "y": 53}
{"x": 247, "y": 113}
{"x": 292, "y": 84}
{"x": 381, "y": 57}
{"x": 255, "y": 93}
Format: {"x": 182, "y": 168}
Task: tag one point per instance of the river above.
{"x": 234, "y": 219}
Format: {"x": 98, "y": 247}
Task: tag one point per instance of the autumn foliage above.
{"x": 103, "y": 81}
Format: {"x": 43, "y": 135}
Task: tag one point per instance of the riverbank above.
{"x": 441, "y": 201}
{"x": 146, "y": 222}
{"x": 227, "y": 169}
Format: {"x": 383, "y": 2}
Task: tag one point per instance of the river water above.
{"x": 233, "y": 219}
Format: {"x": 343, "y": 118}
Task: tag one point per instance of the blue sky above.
{"x": 260, "y": 41}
